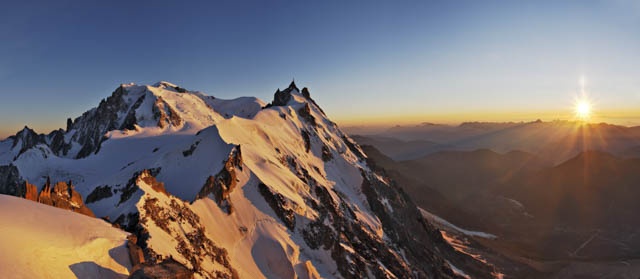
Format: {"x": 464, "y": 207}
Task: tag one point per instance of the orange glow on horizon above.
{"x": 624, "y": 117}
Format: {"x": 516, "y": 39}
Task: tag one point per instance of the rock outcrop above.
{"x": 135, "y": 252}
{"x": 63, "y": 195}
{"x": 10, "y": 182}
{"x": 178, "y": 221}
{"x": 167, "y": 269}
{"x": 165, "y": 114}
{"x": 282, "y": 98}
{"x": 305, "y": 113}
{"x": 30, "y": 192}
{"x": 99, "y": 193}
{"x": 221, "y": 185}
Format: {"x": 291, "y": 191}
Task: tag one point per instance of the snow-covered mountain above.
{"x": 235, "y": 188}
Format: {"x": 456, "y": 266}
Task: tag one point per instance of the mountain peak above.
{"x": 292, "y": 86}
{"x": 163, "y": 83}
{"x": 27, "y": 138}
{"x": 168, "y": 85}
{"x": 26, "y": 130}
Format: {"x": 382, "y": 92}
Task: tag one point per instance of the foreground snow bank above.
{"x": 40, "y": 241}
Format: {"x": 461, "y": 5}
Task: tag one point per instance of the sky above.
{"x": 365, "y": 62}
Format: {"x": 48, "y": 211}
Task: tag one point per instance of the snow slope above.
{"x": 40, "y": 241}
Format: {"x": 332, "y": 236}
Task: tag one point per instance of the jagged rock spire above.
{"x": 293, "y": 86}
{"x": 305, "y": 93}
{"x": 281, "y": 98}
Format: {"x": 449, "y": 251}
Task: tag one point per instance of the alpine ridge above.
{"x": 213, "y": 188}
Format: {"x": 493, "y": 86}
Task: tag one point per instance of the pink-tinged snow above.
{"x": 40, "y": 241}
{"x": 458, "y": 271}
{"x": 438, "y": 220}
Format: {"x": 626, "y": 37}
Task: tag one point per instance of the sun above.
{"x": 583, "y": 109}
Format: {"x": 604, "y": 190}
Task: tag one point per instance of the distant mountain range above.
{"x": 550, "y": 213}
{"x": 555, "y": 141}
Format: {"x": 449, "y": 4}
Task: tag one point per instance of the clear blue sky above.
{"x": 361, "y": 59}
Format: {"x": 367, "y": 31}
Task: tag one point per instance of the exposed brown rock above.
{"x": 155, "y": 184}
{"x": 193, "y": 244}
{"x": 353, "y": 147}
{"x": 305, "y": 113}
{"x": 167, "y": 269}
{"x": 45, "y": 194}
{"x": 135, "y": 252}
{"x": 165, "y": 114}
{"x": 223, "y": 183}
{"x": 63, "y": 195}
{"x": 30, "y": 192}
{"x": 131, "y": 187}
{"x": 307, "y": 95}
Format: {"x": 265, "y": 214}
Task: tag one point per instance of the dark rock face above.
{"x": 307, "y": 95}
{"x": 28, "y": 138}
{"x": 192, "y": 148}
{"x": 135, "y": 252}
{"x": 92, "y": 125}
{"x": 131, "y": 187}
{"x": 99, "y": 193}
{"x": 57, "y": 143}
{"x": 326, "y": 154}
{"x": 353, "y": 147}
{"x": 305, "y": 113}
{"x": 223, "y": 183}
{"x": 282, "y": 98}
{"x": 180, "y": 89}
{"x": 167, "y": 269}
{"x": 130, "y": 120}
{"x": 69, "y": 124}
{"x": 280, "y": 205}
{"x": 424, "y": 247}
{"x": 10, "y": 180}
{"x": 307, "y": 140}
{"x": 353, "y": 245}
